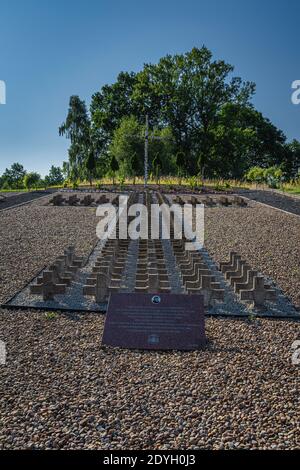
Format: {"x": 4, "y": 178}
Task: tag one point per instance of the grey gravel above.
{"x": 60, "y": 390}
{"x": 275, "y": 199}
{"x": 15, "y": 198}
{"x": 232, "y": 306}
{"x": 268, "y": 239}
{"x": 32, "y": 236}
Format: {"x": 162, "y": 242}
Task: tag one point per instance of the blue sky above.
{"x": 51, "y": 49}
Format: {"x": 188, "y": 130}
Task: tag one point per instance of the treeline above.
{"x": 203, "y": 114}
{"x": 16, "y": 177}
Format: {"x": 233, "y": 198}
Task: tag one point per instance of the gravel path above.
{"x": 60, "y": 390}
{"x": 280, "y": 201}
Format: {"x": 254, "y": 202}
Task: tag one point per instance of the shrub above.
{"x": 255, "y": 175}
{"x": 121, "y": 182}
{"x": 192, "y": 182}
{"x": 5, "y": 185}
{"x": 273, "y": 176}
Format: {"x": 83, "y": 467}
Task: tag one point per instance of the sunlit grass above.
{"x": 173, "y": 182}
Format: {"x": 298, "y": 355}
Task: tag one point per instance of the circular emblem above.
{"x": 156, "y": 299}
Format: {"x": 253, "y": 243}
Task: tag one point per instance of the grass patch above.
{"x": 51, "y": 316}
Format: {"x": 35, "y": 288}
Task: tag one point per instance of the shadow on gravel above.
{"x": 11, "y": 200}
{"x": 279, "y": 201}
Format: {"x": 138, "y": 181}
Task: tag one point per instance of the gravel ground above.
{"x": 60, "y": 390}
{"x": 13, "y": 199}
{"x": 268, "y": 239}
{"x": 280, "y": 201}
{"x": 32, "y": 236}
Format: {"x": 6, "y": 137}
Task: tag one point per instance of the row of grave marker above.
{"x": 210, "y": 201}
{"x": 88, "y": 200}
{"x": 246, "y": 282}
{"x": 151, "y": 272}
{"x": 58, "y": 276}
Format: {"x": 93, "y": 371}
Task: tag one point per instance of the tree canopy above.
{"x": 197, "y": 101}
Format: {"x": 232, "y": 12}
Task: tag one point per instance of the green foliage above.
{"x": 55, "y": 176}
{"x": 193, "y": 183}
{"x": 127, "y": 147}
{"x": 204, "y": 114}
{"x": 186, "y": 92}
{"x": 114, "y": 167}
{"x": 121, "y": 182}
{"x": 13, "y": 177}
{"x": 255, "y": 175}
{"x": 291, "y": 160}
{"x": 32, "y": 180}
{"x": 50, "y": 316}
{"x": 156, "y": 169}
{"x": 220, "y": 186}
{"x": 5, "y": 185}
{"x": 90, "y": 166}
{"x": 77, "y": 128}
{"x": 273, "y": 176}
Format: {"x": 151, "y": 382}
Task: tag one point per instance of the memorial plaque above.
{"x": 160, "y": 322}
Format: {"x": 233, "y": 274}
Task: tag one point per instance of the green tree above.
{"x": 191, "y": 89}
{"x": 66, "y": 169}
{"x": 13, "y": 176}
{"x": 77, "y": 129}
{"x": 193, "y": 98}
{"x": 55, "y": 176}
{"x": 135, "y": 165}
{"x": 128, "y": 146}
{"x": 114, "y": 167}
{"x": 243, "y": 138}
{"x": 91, "y": 165}
{"x": 180, "y": 165}
{"x": 291, "y": 160}
{"x": 109, "y": 106}
{"x": 32, "y": 180}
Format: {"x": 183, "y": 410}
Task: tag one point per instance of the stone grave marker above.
{"x": 47, "y": 288}
{"x": 259, "y": 293}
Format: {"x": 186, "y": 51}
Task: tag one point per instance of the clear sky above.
{"x": 51, "y": 49}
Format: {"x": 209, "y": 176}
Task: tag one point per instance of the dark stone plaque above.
{"x": 149, "y": 321}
